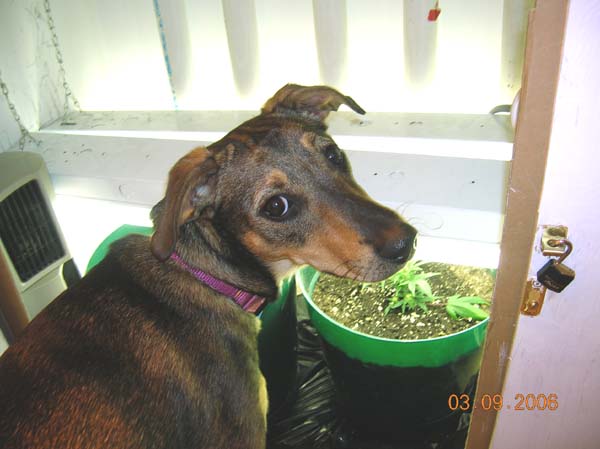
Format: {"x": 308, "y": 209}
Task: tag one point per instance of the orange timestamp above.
{"x": 496, "y": 402}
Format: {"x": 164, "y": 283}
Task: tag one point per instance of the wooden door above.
{"x": 558, "y": 352}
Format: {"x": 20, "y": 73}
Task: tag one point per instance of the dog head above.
{"x": 277, "y": 189}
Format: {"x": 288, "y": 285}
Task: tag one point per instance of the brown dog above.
{"x": 142, "y": 354}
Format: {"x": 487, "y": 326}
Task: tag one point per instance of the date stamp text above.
{"x": 521, "y": 402}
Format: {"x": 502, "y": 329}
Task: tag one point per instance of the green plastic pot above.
{"x": 432, "y": 352}
{"x": 277, "y": 338}
{"x": 393, "y": 387}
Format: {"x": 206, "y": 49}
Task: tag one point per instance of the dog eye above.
{"x": 277, "y": 206}
{"x": 334, "y": 155}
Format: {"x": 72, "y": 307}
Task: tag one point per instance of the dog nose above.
{"x": 400, "y": 249}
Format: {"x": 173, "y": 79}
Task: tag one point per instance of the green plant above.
{"x": 466, "y": 307}
{"x": 411, "y": 290}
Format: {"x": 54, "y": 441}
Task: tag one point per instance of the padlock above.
{"x": 554, "y": 274}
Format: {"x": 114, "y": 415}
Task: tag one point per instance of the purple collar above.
{"x": 247, "y": 301}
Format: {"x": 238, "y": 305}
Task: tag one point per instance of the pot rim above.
{"x": 309, "y": 299}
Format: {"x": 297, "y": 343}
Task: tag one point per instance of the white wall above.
{"x": 28, "y": 67}
{"x": 559, "y": 351}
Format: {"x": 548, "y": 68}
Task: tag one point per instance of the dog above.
{"x": 156, "y": 347}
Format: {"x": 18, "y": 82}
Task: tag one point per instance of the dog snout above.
{"x": 401, "y": 247}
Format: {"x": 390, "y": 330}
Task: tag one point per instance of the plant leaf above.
{"x": 474, "y": 300}
{"x": 469, "y": 311}
{"x": 424, "y": 287}
{"x": 450, "y": 311}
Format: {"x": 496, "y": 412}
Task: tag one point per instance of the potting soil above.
{"x": 360, "y": 306}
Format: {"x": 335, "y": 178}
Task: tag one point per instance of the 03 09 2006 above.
{"x": 520, "y": 402}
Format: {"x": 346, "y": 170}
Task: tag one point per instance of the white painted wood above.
{"x": 468, "y": 58}
{"x": 474, "y": 136}
{"x": 420, "y": 42}
{"x": 559, "y": 351}
{"x": 242, "y": 37}
{"x": 113, "y": 54}
{"x": 174, "y": 32}
{"x": 101, "y": 162}
{"x": 331, "y": 32}
{"x": 514, "y": 29}
{"x": 288, "y": 51}
{"x": 110, "y": 168}
{"x": 114, "y": 61}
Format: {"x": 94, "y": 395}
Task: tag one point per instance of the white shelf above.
{"x": 484, "y": 136}
{"x": 135, "y": 170}
{"x": 109, "y": 168}
{"x": 446, "y": 174}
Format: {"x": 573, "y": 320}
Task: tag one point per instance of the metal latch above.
{"x": 553, "y": 243}
{"x": 533, "y": 300}
{"x": 551, "y": 234}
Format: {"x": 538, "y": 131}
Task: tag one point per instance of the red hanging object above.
{"x": 434, "y": 13}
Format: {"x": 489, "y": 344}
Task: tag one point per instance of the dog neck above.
{"x": 247, "y": 301}
{"x": 225, "y": 259}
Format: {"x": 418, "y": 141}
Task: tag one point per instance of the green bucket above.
{"x": 384, "y": 351}
{"x": 277, "y": 338}
{"x": 395, "y": 389}
{"x": 102, "y": 249}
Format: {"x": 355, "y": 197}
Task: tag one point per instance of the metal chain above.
{"x": 69, "y": 95}
{"x": 25, "y": 135}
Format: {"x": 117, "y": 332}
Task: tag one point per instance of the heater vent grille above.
{"x": 28, "y": 231}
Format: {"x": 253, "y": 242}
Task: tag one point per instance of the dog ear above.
{"x": 187, "y": 189}
{"x": 313, "y": 101}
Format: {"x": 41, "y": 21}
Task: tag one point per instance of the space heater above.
{"x": 35, "y": 265}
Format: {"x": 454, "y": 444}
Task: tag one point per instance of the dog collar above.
{"x": 247, "y": 301}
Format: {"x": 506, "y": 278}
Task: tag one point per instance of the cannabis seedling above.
{"x": 411, "y": 288}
